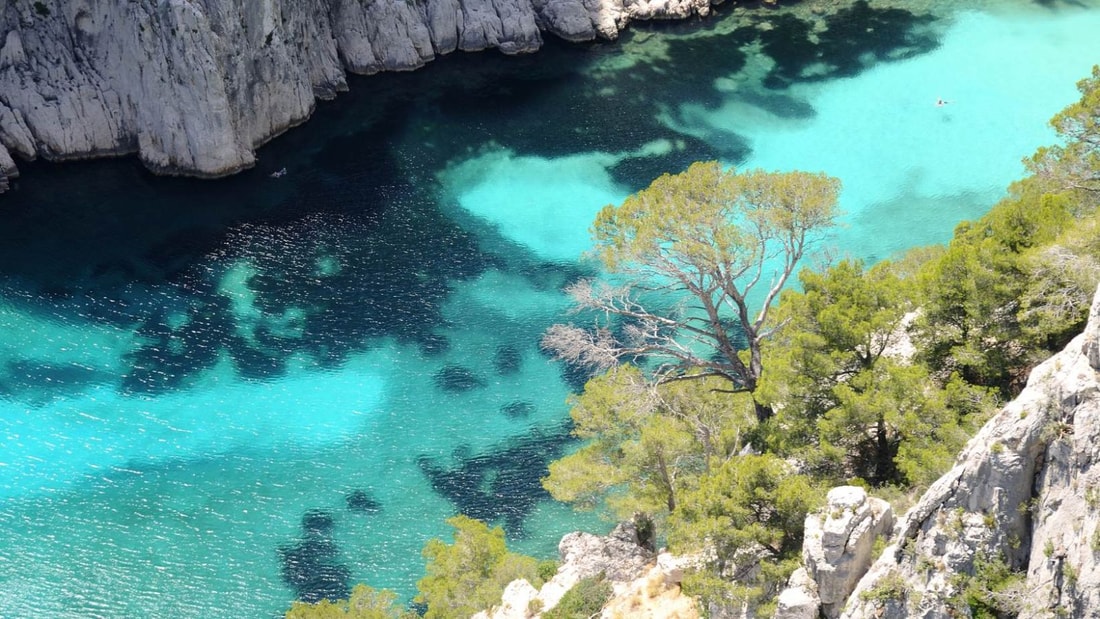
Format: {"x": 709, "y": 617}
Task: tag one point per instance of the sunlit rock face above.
{"x": 194, "y": 87}
{"x": 1024, "y": 496}
{"x": 838, "y": 543}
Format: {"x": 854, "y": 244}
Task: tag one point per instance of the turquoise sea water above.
{"x": 218, "y": 396}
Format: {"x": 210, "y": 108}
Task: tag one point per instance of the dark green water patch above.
{"x": 501, "y": 485}
{"x": 326, "y": 285}
{"x": 38, "y": 382}
{"x": 855, "y": 38}
{"x": 638, "y": 172}
{"x": 312, "y": 566}
{"x": 457, "y": 379}
{"x": 363, "y": 502}
{"x": 507, "y": 360}
{"x": 518, "y": 409}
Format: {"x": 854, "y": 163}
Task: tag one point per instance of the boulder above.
{"x": 515, "y": 602}
{"x": 618, "y": 556}
{"x": 799, "y": 600}
{"x": 673, "y": 567}
{"x": 7, "y": 168}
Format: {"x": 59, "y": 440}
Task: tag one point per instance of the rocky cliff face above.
{"x": 638, "y": 583}
{"x": 194, "y": 86}
{"x": 1023, "y": 497}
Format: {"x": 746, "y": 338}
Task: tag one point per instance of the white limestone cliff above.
{"x": 1025, "y": 494}
{"x": 643, "y": 586}
{"x": 836, "y": 549}
{"x": 195, "y": 86}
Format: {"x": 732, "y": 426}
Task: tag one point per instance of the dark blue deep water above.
{"x": 218, "y": 396}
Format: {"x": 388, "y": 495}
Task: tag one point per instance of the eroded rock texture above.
{"x": 194, "y": 86}
{"x": 1024, "y": 495}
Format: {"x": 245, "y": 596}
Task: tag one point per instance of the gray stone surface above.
{"x": 799, "y": 600}
{"x": 195, "y": 86}
{"x": 515, "y": 602}
{"x": 1026, "y": 490}
{"x": 7, "y": 168}
{"x": 618, "y": 556}
{"x": 837, "y": 545}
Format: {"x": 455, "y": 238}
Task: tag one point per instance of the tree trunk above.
{"x": 666, "y": 477}
{"x": 884, "y": 458}
{"x": 763, "y": 411}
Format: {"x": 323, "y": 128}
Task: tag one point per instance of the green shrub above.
{"x": 469, "y": 575}
{"x": 364, "y": 603}
{"x": 546, "y": 570}
{"x": 585, "y": 599}
{"x": 994, "y": 590}
{"x": 891, "y": 587}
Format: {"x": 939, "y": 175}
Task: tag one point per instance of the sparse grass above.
{"x": 891, "y": 587}
{"x": 584, "y": 600}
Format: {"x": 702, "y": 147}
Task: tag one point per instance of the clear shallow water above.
{"x": 217, "y": 396}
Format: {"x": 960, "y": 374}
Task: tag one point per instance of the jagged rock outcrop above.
{"x": 837, "y": 545}
{"x": 7, "y": 168}
{"x": 195, "y": 86}
{"x": 836, "y": 552}
{"x": 620, "y": 557}
{"x": 1024, "y": 495}
{"x": 655, "y": 595}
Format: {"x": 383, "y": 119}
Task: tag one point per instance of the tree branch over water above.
{"x": 686, "y": 255}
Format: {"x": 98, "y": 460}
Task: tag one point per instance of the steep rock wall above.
{"x": 195, "y": 86}
{"x": 1024, "y": 494}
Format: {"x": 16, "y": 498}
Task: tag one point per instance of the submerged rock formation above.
{"x": 1014, "y": 527}
{"x": 195, "y": 86}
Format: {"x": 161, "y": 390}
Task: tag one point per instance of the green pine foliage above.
{"x": 470, "y": 574}
{"x": 746, "y": 517}
{"x": 1015, "y": 285}
{"x": 364, "y": 603}
{"x": 645, "y": 443}
{"x": 583, "y": 601}
{"x": 687, "y": 256}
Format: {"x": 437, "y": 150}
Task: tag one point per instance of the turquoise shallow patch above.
{"x": 176, "y": 501}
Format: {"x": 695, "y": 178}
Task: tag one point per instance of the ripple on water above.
{"x": 262, "y": 390}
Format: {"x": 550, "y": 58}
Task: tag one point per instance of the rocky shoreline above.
{"x": 1023, "y": 495}
{"x": 194, "y": 87}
